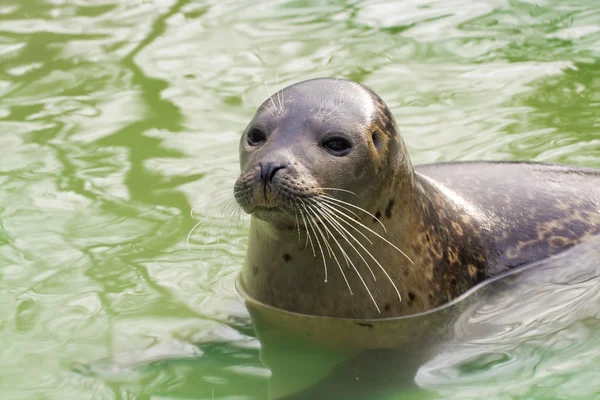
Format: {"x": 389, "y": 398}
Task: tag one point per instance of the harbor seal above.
{"x": 343, "y": 225}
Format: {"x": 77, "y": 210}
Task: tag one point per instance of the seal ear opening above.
{"x": 376, "y": 136}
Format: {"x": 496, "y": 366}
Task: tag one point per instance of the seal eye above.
{"x": 256, "y": 137}
{"x": 338, "y": 146}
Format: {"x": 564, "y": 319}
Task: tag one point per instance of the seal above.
{"x": 343, "y": 226}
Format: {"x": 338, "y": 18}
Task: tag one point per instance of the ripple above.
{"x": 526, "y": 341}
{"x": 119, "y": 117}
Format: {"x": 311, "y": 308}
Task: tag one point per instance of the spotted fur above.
{"x": 458, "y": 223}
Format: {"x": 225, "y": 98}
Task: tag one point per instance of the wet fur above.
{"x": 460, "y": 223}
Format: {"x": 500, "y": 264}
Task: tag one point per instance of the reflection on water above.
{"x": 525, "y": 334}
{"x": 119, "y": 117}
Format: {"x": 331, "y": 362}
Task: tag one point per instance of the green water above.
{"x": 119, "y": 117}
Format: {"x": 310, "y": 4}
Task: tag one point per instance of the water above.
{"x": 119, "y": 117}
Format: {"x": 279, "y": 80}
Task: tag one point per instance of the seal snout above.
{"x": 265, "y": 183}
{"x": 267, "y": 171}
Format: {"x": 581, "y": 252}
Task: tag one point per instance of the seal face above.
{"x": 307, "y": 141}
{"x": 343, "y": 226}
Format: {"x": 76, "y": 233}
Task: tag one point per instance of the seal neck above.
{"x": 383, "y": 265}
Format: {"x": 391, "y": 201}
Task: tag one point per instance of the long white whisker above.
{"x": 370, "y": 255}
{"x": 268, "y": 109}
{"x": 323, "y": 236}
{"x": 343, "y": 207}
{"x": 279, "y": 93}
{"x": 326, "y": 197}
{"x": 326, "y": 213}
{"x": 228, "y": 210}
{"x": 297, "y": 223}
{"x": 373, "y": 232}
{"x": 348, "y": 260}
{"x": 271, "y": 97}
{"x": 328, "y": 247}
{"x": 321, "y": 106}
{"x": 312, "y": 227}
{"x": 189, "y": 235}
{"x": 308, "y": 237}
{"x": 341, "y": 190}
{"x": 342, "y": 102}
{"x": 331, "y": 252}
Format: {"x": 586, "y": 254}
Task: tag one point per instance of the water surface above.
{"x": 118, "y": 118}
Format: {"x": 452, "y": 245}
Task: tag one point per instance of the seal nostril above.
{"x": 268, "y": 170}
{"x": 274, "y": 170}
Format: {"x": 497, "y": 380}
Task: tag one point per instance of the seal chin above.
{"x": 275, "y": 216}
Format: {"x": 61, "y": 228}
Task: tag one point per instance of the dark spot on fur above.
{"x": 287, "y": 257}
{"x": 388, "y": 209}
{"x": 364, "y": 324}
{"x": 387, "y": 307}
{"x": 411, "y": 297}
{"x": 377, "y": 216}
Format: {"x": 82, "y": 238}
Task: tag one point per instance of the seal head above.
{"x": 323, "y": 136}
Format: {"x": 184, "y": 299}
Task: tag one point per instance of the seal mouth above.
{"x": 278, "y": 216}
{"x": 283, "y": 201}
{"x": 281, "y": 216}
{"x": 270, "y": 209}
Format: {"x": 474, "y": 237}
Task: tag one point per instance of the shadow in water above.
{"x": 477, "y": 337}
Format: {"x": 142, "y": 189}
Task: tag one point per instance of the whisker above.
{"x": 325, "y": 270}
{"x": 189, "y": 235}
{"x": 268, "y": 109}
{"x": 358, "y": 96}
{"x": 230, "y": 211}
{"x": 348, "y": 260}
{"x": 327, "y": 197}
{"x": 297, "y": 223}
{"x": 343, "y": 207}
{"x": 280, "y": 93}
{"x": 321, "y": 106}
{"x": 347, "y": 233}
{"x": 319, "y": 244}
{"x": 328, "y": 246}
{"x": 271, "y": 98}
{"x": 374, "y": 233}
{"x": 224, "y": 209}
{"x": 371, "y": 255}
{"x": 314, "y": 224}
{"x": 308, "y": 238}
{"x": 341, "y": 190}
{"x": 342, "y": 102}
